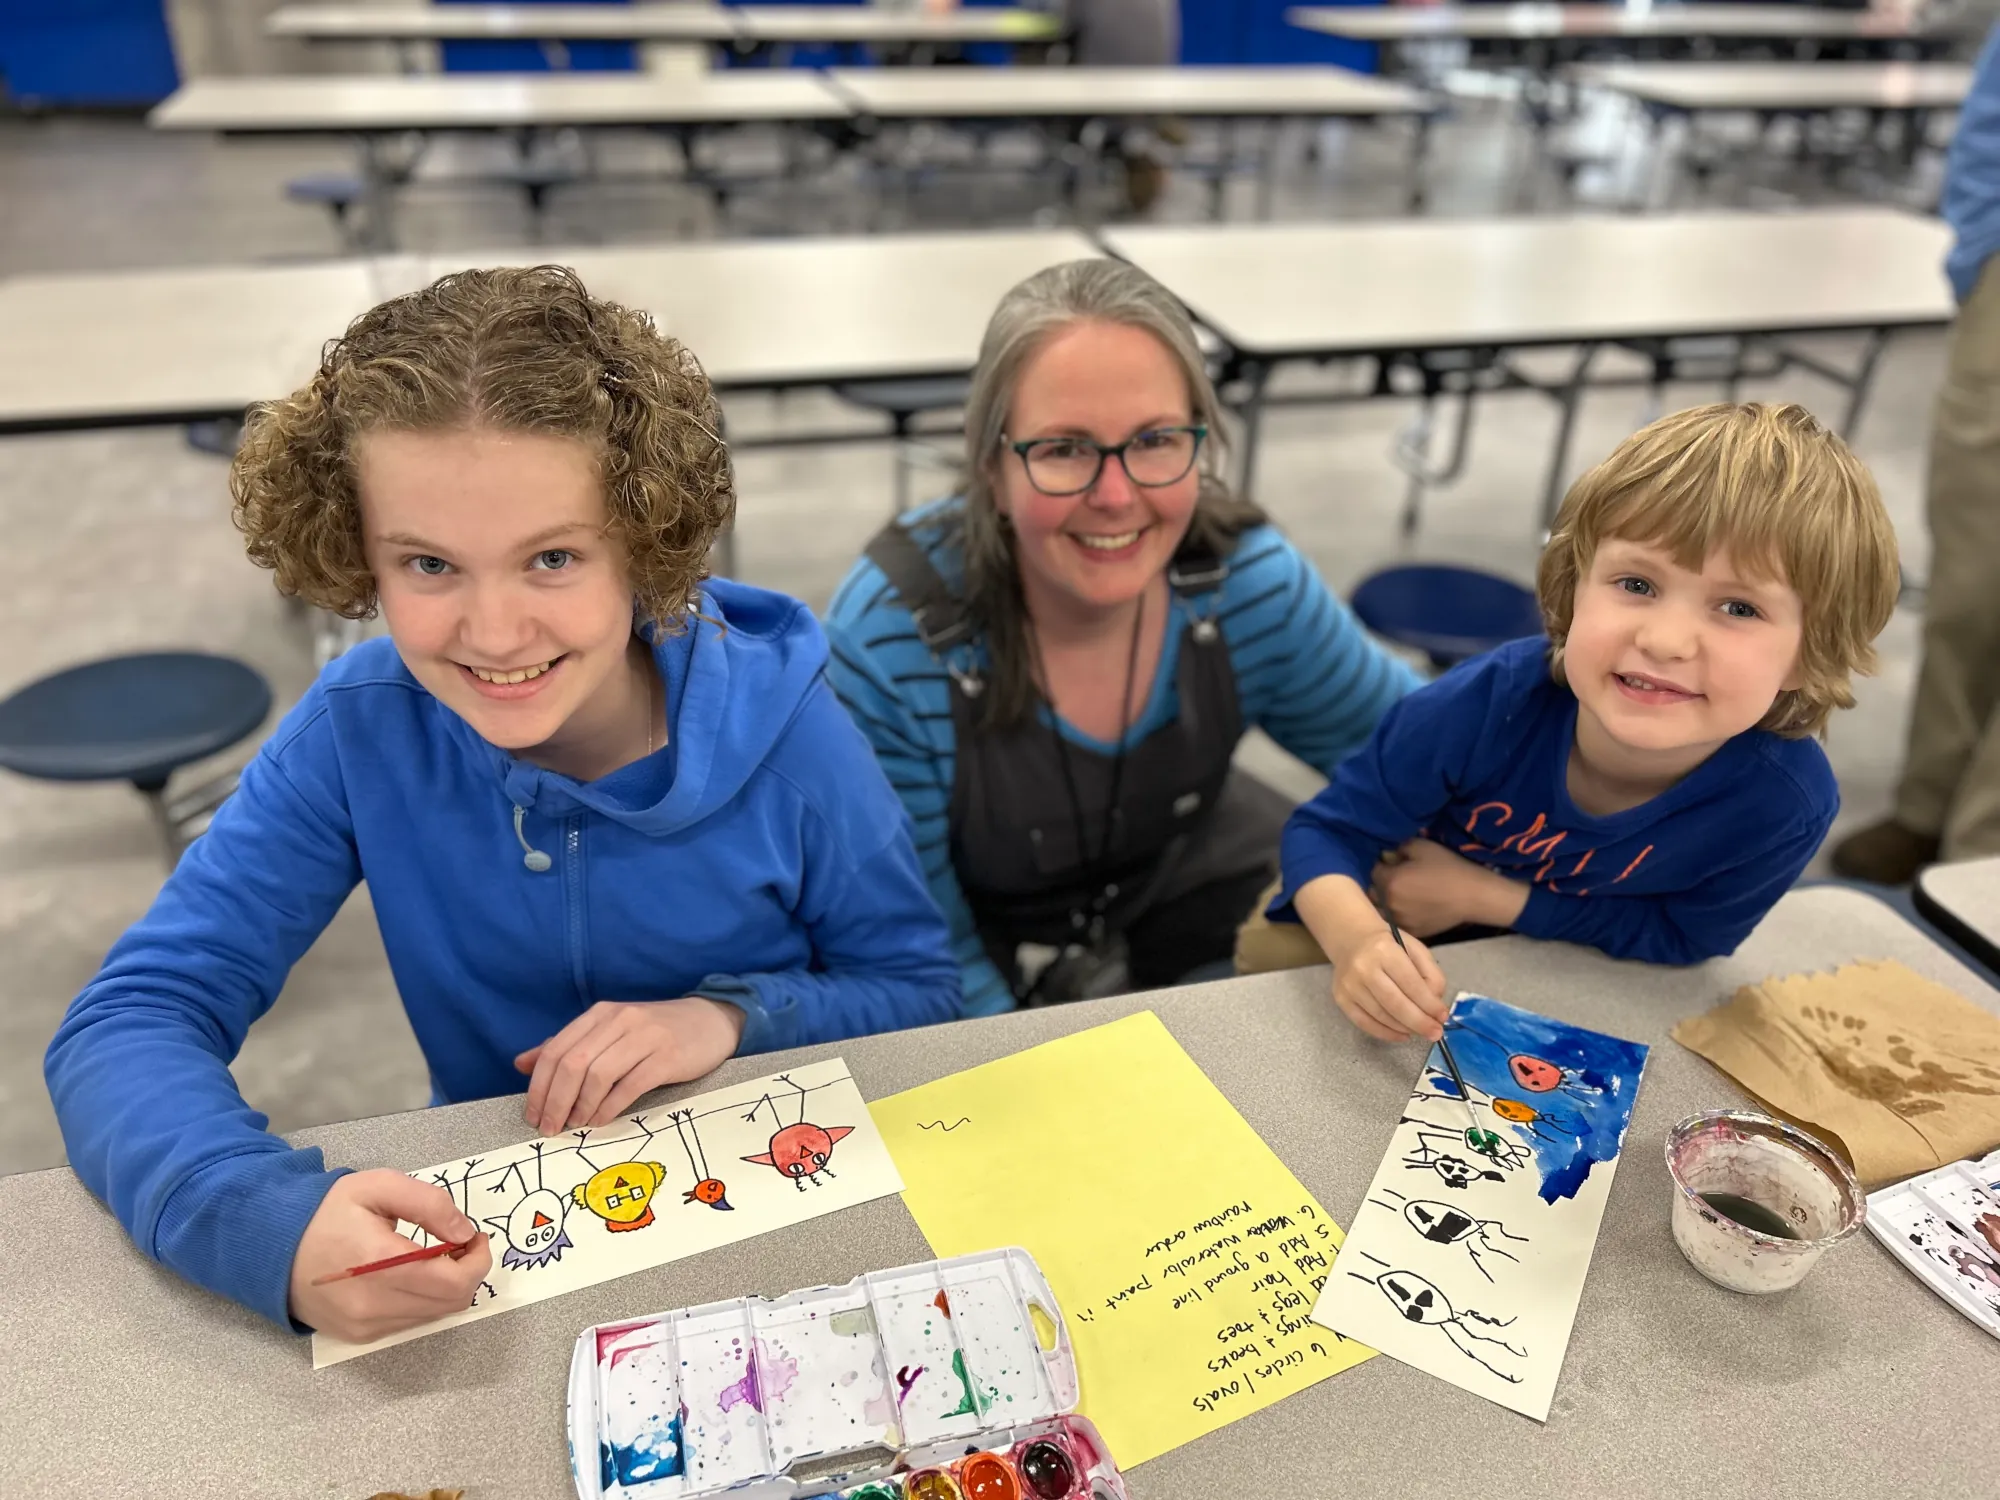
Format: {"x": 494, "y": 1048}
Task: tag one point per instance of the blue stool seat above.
{"x": 334, "y": 189}
{"x": 1448, "y": 613}
{"x": 131, "y": 718}
{"x": 903, "y": 399}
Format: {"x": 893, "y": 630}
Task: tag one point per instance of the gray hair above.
{"x": 1078, "y": 291}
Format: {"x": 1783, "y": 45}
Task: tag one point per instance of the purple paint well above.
{"x": 765, "y": 1378}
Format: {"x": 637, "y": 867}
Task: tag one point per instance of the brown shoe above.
{"x": 1145, "y": 180}
{"x": 1884, "y": 853}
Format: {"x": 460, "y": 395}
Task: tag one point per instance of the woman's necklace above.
{"x": 1094, "y": 866}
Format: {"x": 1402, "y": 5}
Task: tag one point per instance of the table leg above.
{"x": 378, "y": 191}
{"x": 1420, "y": 149}
{"x": 1255, "y": 374}
{"x": 1267, "y": 177}
{"x": 1863, "y": 379}
{"x": 1568, "y": 396}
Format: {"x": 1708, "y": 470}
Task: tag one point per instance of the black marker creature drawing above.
{"x": 1418, "y": 1301}
{"x": 1453, "y": 1170}
{"x": 1442, "y": 1224}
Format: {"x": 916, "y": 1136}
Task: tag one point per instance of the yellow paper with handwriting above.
{"x": 1184, "y": 1253}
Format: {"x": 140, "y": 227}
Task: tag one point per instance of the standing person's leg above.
{"x": 1973, "y": 829}
{"x": 1953, "y": 760}
{"x": 1131, "y": 34}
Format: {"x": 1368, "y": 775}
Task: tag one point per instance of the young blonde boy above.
{"x": 1646, "y": 780}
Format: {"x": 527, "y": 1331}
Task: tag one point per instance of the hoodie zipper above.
{"x": 573, "y": 900}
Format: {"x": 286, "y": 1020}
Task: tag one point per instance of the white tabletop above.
{"x": 1300, "y": 289}
{"x": 101, "y": 350}
{"x": 1785, "y": 85}
{"x": 124, "y": 1381}
{"x": 960, "y": 93}
{"x": 675, "y": 21}
{"x": 1396, "y": 23}
{"x": 1964, "y": 899}
{"x": 872, "y": 23}
{"x": 111, "y": 348}
{"x": 805, "y": 311}
{"x": 321, "y": 105}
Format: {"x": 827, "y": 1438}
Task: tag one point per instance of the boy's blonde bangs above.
{"x": 1782, "y": 495}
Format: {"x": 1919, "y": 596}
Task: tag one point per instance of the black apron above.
{"x": 1024, "y": 853}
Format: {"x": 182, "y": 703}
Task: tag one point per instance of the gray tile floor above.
{"x": 124, "y": 540}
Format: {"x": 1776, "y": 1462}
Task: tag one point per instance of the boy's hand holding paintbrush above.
{"x": 333, "y": 1289}
{"x": 1388, "y": 986}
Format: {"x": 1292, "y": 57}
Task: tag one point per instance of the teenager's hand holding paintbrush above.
{"x": 355, "y": 1227}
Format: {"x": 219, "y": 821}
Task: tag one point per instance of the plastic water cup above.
{"x": 1784, "y": 1169}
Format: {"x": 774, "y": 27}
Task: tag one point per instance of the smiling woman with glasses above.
{"x": 1055, "y": 665}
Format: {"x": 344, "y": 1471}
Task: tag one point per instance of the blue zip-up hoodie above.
{"x": 760, "y": 859}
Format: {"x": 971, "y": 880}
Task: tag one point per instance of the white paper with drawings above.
{"x": 1470, "y": 1264}
{"x": 573, "y": 1210}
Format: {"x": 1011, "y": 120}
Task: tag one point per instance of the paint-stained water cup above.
{"x": 1768, "y": 1171}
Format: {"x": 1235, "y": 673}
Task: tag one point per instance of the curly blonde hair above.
{"x": 521, "y": 349}
{"x": 1784, "y": 495}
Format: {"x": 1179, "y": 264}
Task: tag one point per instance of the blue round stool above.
{"x": 139, "y": 719}
{"x": 1448, "y": 613}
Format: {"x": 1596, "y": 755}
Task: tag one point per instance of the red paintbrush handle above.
{"x": 429, "y": 1252}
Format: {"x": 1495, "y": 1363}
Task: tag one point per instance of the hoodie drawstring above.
{"x": 532, "y": 857}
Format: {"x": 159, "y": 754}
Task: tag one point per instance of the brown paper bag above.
{"x": 1901, "y": 1072}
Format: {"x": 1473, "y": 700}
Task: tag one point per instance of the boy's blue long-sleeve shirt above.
{"x": 1478, "y": 761}
{"x": 760, "y": 859}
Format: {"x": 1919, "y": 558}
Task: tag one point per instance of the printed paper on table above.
{"x": 570, "y": 1211}
{"x": 1469, "y": 1264}
{"x": 1184, "y": 1253}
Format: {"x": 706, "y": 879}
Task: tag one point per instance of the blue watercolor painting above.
{"x": 1565, "y": 1093}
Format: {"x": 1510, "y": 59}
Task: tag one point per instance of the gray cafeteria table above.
{"x": 134, "y": 348}
{"x": 1071, "y": 100}
{"x": 1596, "y": 22}
{"x": 128, "y": 1382}
{"x": 1963, "y": 899}
{"x": 381, "y": 114}
{"x": 1680, "y": 95}
{"x": 129, "y": 348}
{"x": 745, "y": 29}
{"x": 1455, "y": 301}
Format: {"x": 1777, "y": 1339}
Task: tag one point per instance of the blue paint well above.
{"x": 655, "y": 1454}
{"x": 1587, "y": 1112}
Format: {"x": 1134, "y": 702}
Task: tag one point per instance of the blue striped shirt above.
{"x": 1307, "y": 674}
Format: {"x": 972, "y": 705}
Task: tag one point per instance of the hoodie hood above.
{"x": 735, "y": 679}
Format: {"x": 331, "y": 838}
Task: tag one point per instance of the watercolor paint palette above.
{"x": 946, "y": 1380}
{"x": 1945, "y": 1226}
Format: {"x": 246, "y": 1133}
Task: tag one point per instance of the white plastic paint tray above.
{"x": 830, "y": 1388}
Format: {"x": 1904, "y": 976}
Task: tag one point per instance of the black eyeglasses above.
{"x": 1151, "y": 459}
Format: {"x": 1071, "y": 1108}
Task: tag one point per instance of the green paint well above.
{"x": 1751, "y": 1214}
{"x": 970, "y": 1405}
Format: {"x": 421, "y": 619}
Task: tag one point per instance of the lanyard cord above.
{"x": 1094, "y": 866}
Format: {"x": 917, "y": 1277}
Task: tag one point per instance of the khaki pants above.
{"x": 1263, "y": 946}
{"x": 1951, "y": 776}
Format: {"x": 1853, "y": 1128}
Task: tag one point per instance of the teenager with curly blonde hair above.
{"x": 1646, "y": 779}
{"x": 615, "y": 826}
